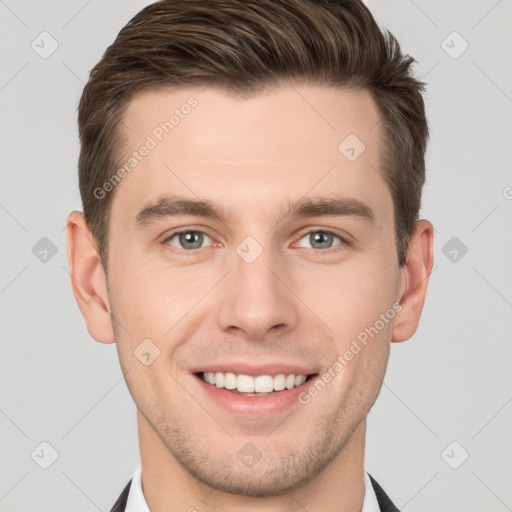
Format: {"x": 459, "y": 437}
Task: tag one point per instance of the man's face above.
{"x": 255, "y": 292}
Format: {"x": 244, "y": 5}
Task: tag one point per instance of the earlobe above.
{"x": 414, "y": 281}
{"x": 88, "y": 279}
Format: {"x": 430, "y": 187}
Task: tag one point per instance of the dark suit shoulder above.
{"x": 385, "y": 504}
{"x": 120, "y": 504}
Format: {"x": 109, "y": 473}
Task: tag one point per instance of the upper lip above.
{"x": 241, "y": 368}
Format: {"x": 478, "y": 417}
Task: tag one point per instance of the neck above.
{"x": 169, "y": 487}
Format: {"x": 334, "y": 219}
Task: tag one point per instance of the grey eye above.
{"x": 188, "y": 239}
{"x": 320, "y": 239}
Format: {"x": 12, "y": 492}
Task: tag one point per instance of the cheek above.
{"x": 153, "y": 300}
{"x": 157, "y": 310}
{"x": 353, "y": 297}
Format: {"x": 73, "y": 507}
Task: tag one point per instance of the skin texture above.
{"x": 295, "y": 304}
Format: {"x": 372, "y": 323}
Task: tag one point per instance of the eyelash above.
{"x": 343, "y": 242}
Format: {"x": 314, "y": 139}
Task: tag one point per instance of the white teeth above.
{"x": 219, "y": 379}
{"x": 300, "y": 379}
{"x": 245, "y": 384}
{"x": 248, "y": 384}
{"x": 280, "y": 382}
{"x": 290, "y": 382}
{"x": 230, "y": 380}
{"x": 263, "y": 384}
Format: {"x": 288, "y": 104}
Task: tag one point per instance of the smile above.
{"x": 259, "y": 385}
{"x": 253, "y": 390}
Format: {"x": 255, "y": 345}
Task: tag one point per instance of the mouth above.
{"x": 254, "y": 391}
{"x": 254, "y": 386}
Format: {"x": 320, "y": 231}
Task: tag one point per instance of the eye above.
{"x": 187, "y": 240}
{"x": 322, "y": 239}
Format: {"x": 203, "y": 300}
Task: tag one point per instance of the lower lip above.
{"x": 267, "y": 405}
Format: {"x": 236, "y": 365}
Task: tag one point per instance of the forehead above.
{"x": 317, "y": 115}
{"x": 250, "y": 153}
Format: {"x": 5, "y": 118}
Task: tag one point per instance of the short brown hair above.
{"x": 244, "y": 46}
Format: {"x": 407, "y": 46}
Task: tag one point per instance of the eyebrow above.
{"x": 319, "y": 206}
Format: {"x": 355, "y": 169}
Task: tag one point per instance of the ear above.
{"x": 414, "y": 281}
{"x": 88, "y": 279}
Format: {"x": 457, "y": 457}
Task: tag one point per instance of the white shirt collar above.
{"x": 137, "y": 503}
{"x": 370, "y": 503}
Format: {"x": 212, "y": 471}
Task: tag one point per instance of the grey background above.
{"x": 450, "y": 383}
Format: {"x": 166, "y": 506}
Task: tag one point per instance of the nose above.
{"x": 257, "y": 298}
